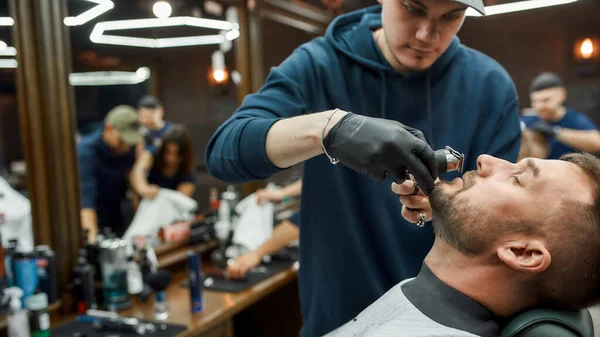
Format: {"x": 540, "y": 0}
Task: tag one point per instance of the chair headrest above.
{"x": 550, "y": 323}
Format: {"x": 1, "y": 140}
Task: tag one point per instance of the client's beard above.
{"x": 457, "y": 223}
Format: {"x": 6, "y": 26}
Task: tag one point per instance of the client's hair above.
{"x": 573, "y": 279}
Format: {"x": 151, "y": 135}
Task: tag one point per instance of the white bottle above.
{"x": 18, "y": 319}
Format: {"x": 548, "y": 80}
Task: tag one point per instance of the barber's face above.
{"x": 469, "y": 212}
{"x": 151, "y": 118}
{"x": 417, "y": 32}
{"x": 547, "y": 102}
{"x": 115, "y": 142}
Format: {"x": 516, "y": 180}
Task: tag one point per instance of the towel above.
{"x": 255, "y": 223}
{"x": 15, "y": 217}
{"x": 152, "y": 214}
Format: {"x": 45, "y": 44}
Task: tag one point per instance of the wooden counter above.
{"x": 219, "y": 307}
{"x": 273, "y": 301}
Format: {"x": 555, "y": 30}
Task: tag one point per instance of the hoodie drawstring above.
{"x": 429, "y": 111}
{"x": 429, "y": 133}
{"x": 383, "y": 94}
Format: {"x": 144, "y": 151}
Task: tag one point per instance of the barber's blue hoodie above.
{"x": 355, "y": 245}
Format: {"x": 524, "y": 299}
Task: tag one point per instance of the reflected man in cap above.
{"x": 152, "y": 114}
{"x": 566, "y": 130}
{"x": 105, "y": 158}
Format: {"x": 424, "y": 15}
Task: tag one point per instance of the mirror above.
{"x": 195, "y": 87}
{"x": 15, "y": 207}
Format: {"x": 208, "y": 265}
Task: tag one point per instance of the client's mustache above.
{"x": 468, "y": 181}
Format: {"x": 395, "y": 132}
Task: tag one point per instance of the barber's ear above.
{"x": 563, "y": 94}
{"x": 526, "y": 255}
{"x": 108, "y": 128}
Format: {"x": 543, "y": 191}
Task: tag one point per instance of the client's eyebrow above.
{"x": 531, "y": 165}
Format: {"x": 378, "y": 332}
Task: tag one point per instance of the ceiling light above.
{"x": 517, "y": 6}
{"x": 102, "y": 6}
{"x": 229, "y": 29}
{"x": 162, "y": 9}
{"x": 109, "y": 77}
{"x": 8, "y": 63}
{"x": 8, "y": 51}
{"x": 6, "y": 21}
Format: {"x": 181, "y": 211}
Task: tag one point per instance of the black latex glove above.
{"x": 545, "y": 129}
{"x": 379, "y": 147}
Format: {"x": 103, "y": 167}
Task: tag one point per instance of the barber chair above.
{"x": 550, "y": 323}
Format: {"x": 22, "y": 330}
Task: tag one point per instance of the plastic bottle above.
{"x": 85, "y": 291}
{"x": 46, "y": 269}
{"x": 17, "y": 320}
{"x": 40, "y": 319}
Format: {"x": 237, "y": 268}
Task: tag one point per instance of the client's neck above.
{"x": 489, "y": 285}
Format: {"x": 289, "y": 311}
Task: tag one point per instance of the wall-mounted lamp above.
{"x": 218, "y": 74}
{"x": 586, "y": 49}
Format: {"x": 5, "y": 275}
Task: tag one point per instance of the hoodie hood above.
{"x": 352, "y": 35}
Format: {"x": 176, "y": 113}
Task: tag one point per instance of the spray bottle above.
{"x": 18, "y": 320}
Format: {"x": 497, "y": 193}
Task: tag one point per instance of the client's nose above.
{"x": 486, "y": 165}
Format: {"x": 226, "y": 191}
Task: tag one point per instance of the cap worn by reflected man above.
{"x": 125, "y": 119}
{"x": 477, "y": 5}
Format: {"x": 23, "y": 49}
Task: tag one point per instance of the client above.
{"x": 508, "y": 238}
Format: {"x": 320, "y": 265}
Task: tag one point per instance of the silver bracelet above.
{"x": 331, "y": 159}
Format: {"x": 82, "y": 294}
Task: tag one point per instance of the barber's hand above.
{"x": 263, "y": 196}
{"x": 545, "y": 129}
{"x": 242, "y": 264}
{"x": 414, "y": 201}
{"x": 149, "y": 192}
{"x": 379, "y": 147}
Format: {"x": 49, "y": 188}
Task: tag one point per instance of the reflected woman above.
{"x": 171, "y": 167}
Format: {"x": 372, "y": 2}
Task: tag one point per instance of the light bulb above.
{"x": 162, "y": 9}
{"x": 587, "y": 48}
{"x": 219, "y": 75}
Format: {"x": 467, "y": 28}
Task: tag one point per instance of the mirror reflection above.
{"x": 15, "y": 208}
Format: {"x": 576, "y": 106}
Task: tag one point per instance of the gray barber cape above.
{"x": 423, "y": 306}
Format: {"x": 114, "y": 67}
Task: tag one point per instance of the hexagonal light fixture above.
{"x": 96, "y": 78}
{"x": 9, "y": 63}
{"x": 6, "y": 21}
{"x": 102, "y": 6}
{"x": 228, "y": 31}
{"x": 517, "y": 6}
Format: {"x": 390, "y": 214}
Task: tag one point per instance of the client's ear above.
{"x": 527, "y": 255}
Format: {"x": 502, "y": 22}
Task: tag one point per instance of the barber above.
{"x": 359, "y": 95}
{"x": 105, "y": 159}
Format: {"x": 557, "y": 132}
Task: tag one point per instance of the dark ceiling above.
{"x": 137, "y": 9}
